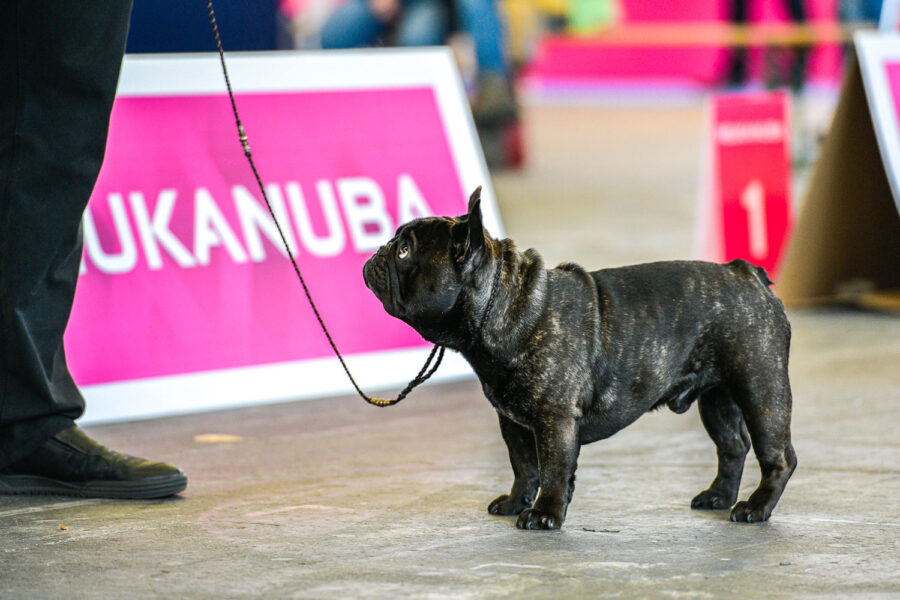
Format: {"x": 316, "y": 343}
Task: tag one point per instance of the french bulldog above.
{"x": 568, "y": 357}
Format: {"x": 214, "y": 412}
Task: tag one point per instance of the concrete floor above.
{"x": 335, "y": 499}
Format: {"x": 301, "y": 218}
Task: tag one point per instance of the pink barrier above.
{"x": 573, "y": 60}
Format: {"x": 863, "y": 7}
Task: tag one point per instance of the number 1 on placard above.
{"x": 753, "y": 200}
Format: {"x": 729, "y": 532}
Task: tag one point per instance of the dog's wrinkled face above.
{"x": 419, "y": 274}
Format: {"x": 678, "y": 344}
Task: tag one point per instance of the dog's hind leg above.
{"x": 723, "y": 421}
{"x": 767, "y": 413}
{"x": 523, "y": 458}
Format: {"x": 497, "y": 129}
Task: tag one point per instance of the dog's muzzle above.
{"x": 375, "y": 274}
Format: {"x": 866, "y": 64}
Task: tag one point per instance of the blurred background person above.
{"x": 361, "y": 23}
{"x": 787, "y": 67}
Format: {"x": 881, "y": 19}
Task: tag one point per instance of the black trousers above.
{"x": 59, "y": 66}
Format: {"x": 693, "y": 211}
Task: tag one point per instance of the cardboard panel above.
{"x": 847, "y": 239}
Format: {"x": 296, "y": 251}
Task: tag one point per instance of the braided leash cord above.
{"x": 494, "y": 287}
{"x": 424, "y": 373}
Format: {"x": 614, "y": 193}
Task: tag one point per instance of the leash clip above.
{"x": 245, "y": 143}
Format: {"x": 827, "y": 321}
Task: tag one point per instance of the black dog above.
{"x": 568, "y": 357}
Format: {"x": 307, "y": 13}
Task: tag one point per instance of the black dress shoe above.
{"x": 72, "y": 464}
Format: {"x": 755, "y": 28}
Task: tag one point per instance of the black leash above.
{"x": 494, "y": 287}
{"x": 425, "y": 373}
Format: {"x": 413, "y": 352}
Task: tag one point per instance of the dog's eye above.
{"x": 403, "y": 252}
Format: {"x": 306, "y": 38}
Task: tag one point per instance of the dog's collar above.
{"x": 494, "y": 287}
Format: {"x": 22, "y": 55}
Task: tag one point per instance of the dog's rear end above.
{"x": 735, "y": 365}
{"x": 753, "y": 406}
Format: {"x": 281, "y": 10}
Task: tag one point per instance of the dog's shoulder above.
{"x": 571, "y": 267}
{"x": 523, "y": 270}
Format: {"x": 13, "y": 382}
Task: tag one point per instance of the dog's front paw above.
{"x": 508, "y": 506}
{"x": 532, "y": 518}
{"x": 711, "y": 500}
{"x": 746, "y": 512}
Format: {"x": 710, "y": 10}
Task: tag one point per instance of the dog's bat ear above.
{"x": 473, "y": 255}
{"x": 476, "y": 229}
{"x": 475, "y": 200}
{"x": 468, "y": 235}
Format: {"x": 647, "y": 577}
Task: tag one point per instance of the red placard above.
{"x": 747, "y": 210}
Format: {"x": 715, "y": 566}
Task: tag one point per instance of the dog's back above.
{"x": 669, "y": 331}
{"x": 665, "y": 302}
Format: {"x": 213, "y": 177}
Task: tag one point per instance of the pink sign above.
{"x": 879, "y": 61}
{"x": 183, "y": 269}
{"x": 748, "y": 211}
{"x": 892, "y": 72}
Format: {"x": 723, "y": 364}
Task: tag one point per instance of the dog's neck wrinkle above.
{"x": 525, "y": 289}
{"x": 523, "y": 280}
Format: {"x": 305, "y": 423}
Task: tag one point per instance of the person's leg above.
{"x": 60, "y": 66}
{"x": 423, "y": 23}
{"x": 480, "y": 20}
{"x": 797, "y": 75}
{"x": 494, "y": 104}
{"x": 352, "y": 25}
{"x": 737, "y": 68}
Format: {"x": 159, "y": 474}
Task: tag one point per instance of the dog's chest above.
{"x": 509, "y": 400}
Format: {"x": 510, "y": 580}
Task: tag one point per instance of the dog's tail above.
{"x": 760, "y": 273}
{"x": 763, "y": 276}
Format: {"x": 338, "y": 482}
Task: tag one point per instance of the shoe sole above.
{"x": 148, "y": 488}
